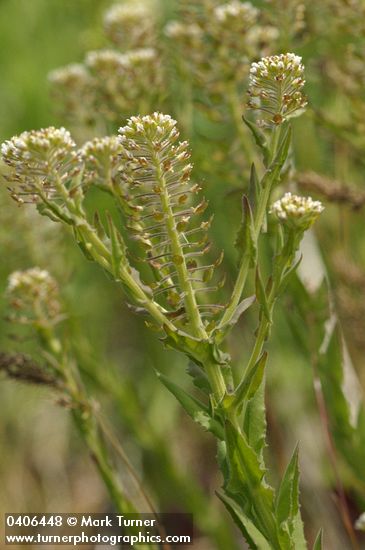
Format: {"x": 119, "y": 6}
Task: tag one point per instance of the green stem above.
{"x": 216, "y": 380}
{"x": 102, "y": 255}
{"x": 259, "y": 217}
{"x": 177, "y": 252}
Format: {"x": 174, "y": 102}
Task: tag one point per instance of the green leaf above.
{"x": 318, "y": 542}
{"x": 254, "y": 538}
{"x": 261, "y": 296}
{"x": 287, "y": 500}
{"x": 246, "y": 483}
{"x": 254, "y": 422}
{"x": 272, "y": 174}
{"x": 289, "y": 272}
{"x": 243, "y": 306}
{"x": 199, "y": 377}
{"x": 254, "y": 187}
{"x": 245, "y": 241}
{"x": 118, "y": 249}
{"x": 194, "y": 407}
{"x": 260, "y": 139}
{"x": 251, "y": 382}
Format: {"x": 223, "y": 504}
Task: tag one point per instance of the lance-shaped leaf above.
{"x": 254, "y": 187}
{"x": 118, "y": 248}
{"x": 254, "y": 538}
{"x": 254, "y": 420}
{"x": 272, "y": 174}
{"x": 250, "y": 383}
{"x": 318, "y": 542}
{"x": 287, "y": 504}
{"x": 246, "y": 483}
{"x": 260, "y": 139}
{"x": 287, "y": 501}
{"x": 194, "y": 407}
{"x": 245, "y": 242}
{"x": 240, "y": 309}
{"x": 262, "y": 297}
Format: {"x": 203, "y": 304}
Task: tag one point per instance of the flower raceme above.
{"x": 158, "y": 188}
{"x": 275, "y": 85}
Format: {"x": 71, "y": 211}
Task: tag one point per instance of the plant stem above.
{"x": 259, "y": 217}
{"x": 216, "y": 380}
{"x": 177, "y": 251}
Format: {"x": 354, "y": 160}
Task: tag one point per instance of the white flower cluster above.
{"x": 297, "y": 211}
{"x": 105, "y": 60}
{"x": 101, "y": 157}
{"x": 20, "y": 147}
{"x": 35, "y": 293}
{"x": 33, "y": 276}
{"x": 129, "y": 25}
{"x": 99, "y": 147}
{"x": 36, "y": 158}
{"x": 278, "y": 67}
{"x": 178, "y": 30}
{"x": 125, "y": 14}
{"x": 69, "y": 75}
{"x": 235, "y": 9}
{"x": 141, "y": 55}
{"x": 157, "y": 127}
{"x": 275, "y": 85}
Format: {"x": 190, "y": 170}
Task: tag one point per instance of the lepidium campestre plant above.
{"x": 159, "y": 258}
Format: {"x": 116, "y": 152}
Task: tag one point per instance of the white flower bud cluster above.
{"x": 157, "y": 128}
{"x": 129, "y": 25}
{"x": 34, "y": 294}
{"x": 72, "y": 89}
{"x": 70, "y": 76}
{"x": 236, "y": 10}
{"x": 275, "y": 85}
{"x": 296, "y": 211}
{"x": 101, "y": 158}
{"x": 105, "y": 61}
{"x": 37, "y": 158}
{"x": 139, "y": 56}
{"x": 147, "y": 137}
{"x": 181, "y": 31}
{"x": 124, "y": 79}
